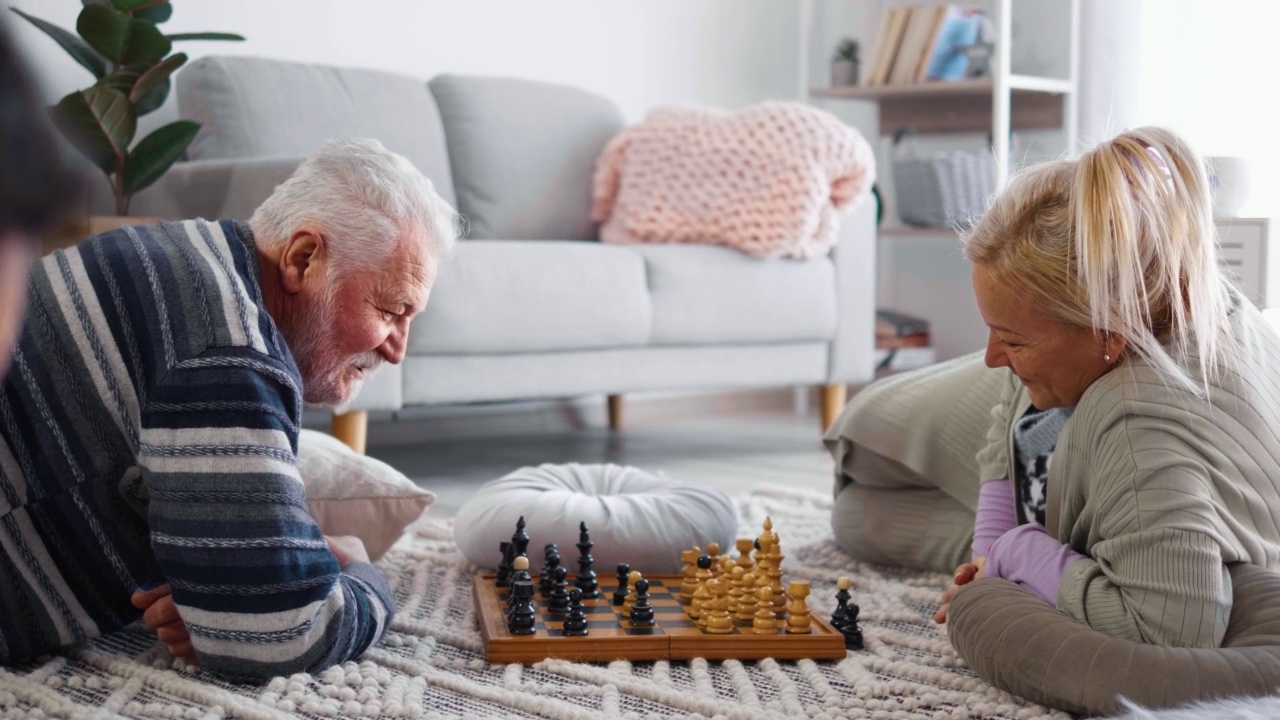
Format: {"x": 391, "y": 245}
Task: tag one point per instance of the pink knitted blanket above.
{"x": 769, "y": 180}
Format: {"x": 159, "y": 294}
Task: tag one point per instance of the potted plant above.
{"x": 119, "y": 42}
{"x": 844, "y": 66}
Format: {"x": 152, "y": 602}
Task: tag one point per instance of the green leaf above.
{"x": 74, "y": 46}
{"x": 206, "y": 36}
{"x": 155, "y": 14}
{"x": 153, "y": 100}
{"x": 126, "y": 41}
{"x": 156, "y": 153}
{"x": 100, "y": 122}
{"x": 153, "y": 77}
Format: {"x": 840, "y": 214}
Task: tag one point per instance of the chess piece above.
{"x": 547, "y": 580}
{"x": 633, "y": 577}
{"x": 735, "y": 577}
{"x": 745, "y": 545}
{"x": 747, "y": 603}
{"x": 523, "y": 617}
{"x": 519, "y": 573}
{"x": 641, "y": 614}
{"x": 713, "y": 550}
{"x": 586, "y": 579}
{"x": 520, "y": 538}
{"x": 504, "y": 566}
{"x": 575, "y": 623}
{"x": 558, "y": 602}
{"x": 700, "y": 595}
{"x": 620, "y": 595}
{"x": 840, "y": 617}
{"x": 764, "y": 622}
{"x": 799, "y": 620}
{"x": 690, "y": 571}
{"x": 851, "y": 632}
{"x": 716, "y": 610}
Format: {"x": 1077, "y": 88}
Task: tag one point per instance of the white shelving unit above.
{"x": 920, "y": 269}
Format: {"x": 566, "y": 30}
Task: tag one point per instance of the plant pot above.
{"x": 844, "y": 72}
{"x": 83, "y": 227}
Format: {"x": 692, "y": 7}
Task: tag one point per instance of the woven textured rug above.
{"x": 431, "y": 664}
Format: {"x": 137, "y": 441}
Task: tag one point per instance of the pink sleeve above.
{"x": 995, "y": 516}
{"x": 1031, "y": 557}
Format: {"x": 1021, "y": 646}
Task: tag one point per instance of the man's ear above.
{"x": 303, "y": 253}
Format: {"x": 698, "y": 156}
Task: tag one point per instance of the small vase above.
{"x": 1229, "y": 181}
{"x": 844, "y": 72}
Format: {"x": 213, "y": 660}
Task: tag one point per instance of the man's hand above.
{"x": 965, "y": 574}
{"x": 161, "y": 615}
{"x": 348, "y": 549}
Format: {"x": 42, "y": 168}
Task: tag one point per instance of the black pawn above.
{"x": 523, "y": 620}
{"x": 559, "y": 600}
{"x": 504, "y": 567}
{"x": 840, "y": 617}
{"x": 641, "y": 610}
{"x": 547, "y": 580}
{"x": 852, "y": 633}
{"x": 620, "y": 595}
{"x": 586, "y": 579}
{"x": 575, "y": 623}
{"x": 520, "y": 539}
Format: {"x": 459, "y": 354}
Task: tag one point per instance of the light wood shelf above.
{"x": 960, "y": 105}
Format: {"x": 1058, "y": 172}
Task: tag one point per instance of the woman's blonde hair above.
{"x": 1120, "y": 240}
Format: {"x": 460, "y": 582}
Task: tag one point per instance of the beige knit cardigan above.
{"x": 1161, "y": 490}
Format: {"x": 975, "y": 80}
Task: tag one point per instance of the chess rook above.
{"x": 523, "y": 617}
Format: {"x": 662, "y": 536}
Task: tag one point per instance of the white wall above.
{"x": 725, "y": 53}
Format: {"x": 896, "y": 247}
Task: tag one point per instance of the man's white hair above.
{"x": 362, "y": 198}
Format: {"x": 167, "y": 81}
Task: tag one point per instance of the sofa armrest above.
{"x": 852, "y": 357}
{"x": 209, "y": 189}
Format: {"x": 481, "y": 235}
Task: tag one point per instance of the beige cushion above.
{"x": 353, "y": 494}
{"x": 1019, "y": 643}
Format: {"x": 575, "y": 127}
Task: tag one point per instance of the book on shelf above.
{"x": 958, "y": 26}
{"x": 894, "y": 324}
{"x": 891, "y": 360}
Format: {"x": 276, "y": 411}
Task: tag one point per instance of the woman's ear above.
{"x": 1114, "y": 346}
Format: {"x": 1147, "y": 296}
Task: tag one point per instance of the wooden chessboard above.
{"x": 674, "y": 635}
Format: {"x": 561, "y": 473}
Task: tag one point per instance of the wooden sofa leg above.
{"x": 615, "y": 412}
{"x": 833, "y": 400}
{"x": 352, "y": 428}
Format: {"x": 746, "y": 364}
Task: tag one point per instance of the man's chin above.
{"x": 333, "y": 398}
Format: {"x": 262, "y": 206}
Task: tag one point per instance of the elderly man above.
{"x": 149, "y": 424}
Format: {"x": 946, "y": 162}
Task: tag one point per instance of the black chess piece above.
{"x": 586, "y": 579}
{"x": 575, "y": 623}
{"x": 519, "y": 573}
{"x": 641, "y": 610}
{"x": 504, "y": 567}
{"x": 620, "y": 595}
{"x": 559, "y": 599}
{"x": 547, "y": 579}
{"x": 520, "y": 539}
{"x": 523, "y": 618}
{"x": 840, "y": 617}
{"x": 852, "y": 633}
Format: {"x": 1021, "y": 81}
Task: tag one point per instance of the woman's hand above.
{"x": 347, "y": 548}
{"x": 161, "y": 614}
{"x": 965, "y": 574}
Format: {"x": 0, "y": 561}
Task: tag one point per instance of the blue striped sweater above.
{"x": 148, "y": 434}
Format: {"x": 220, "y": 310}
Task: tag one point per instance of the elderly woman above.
{"x": 1132, "y": 456}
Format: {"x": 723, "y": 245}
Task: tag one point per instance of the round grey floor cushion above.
{"x": 635, "y": 517}
{"x": 1020, "y": 644}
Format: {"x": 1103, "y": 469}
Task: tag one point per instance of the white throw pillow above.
{"x": 354, "y": 494}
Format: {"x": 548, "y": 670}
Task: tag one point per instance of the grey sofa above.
{"x": 530, "y": 305}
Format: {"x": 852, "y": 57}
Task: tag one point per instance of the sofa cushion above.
{"x": 523, "y": 154}
{"x": 512, "y": 296}
{"x": 255, "y": 107}
{"x": 707, "y": 295}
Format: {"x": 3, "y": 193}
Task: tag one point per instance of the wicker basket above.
{"x": 951, "y": 188}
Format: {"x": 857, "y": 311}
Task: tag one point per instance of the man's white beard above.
{"x": 321, "y": 368}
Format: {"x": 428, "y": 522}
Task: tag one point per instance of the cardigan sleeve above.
{"x": 1156, "y": 572}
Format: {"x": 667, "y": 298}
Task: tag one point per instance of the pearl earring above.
{"x": 1107, "y": 358}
